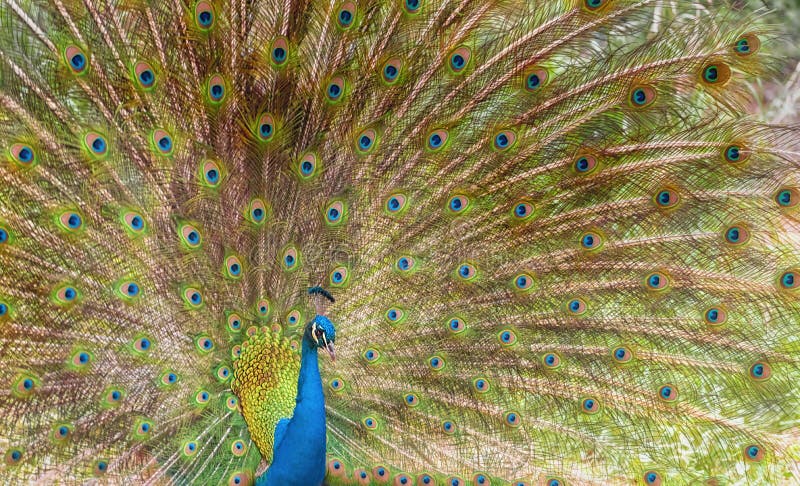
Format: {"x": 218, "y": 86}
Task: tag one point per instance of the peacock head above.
{"x": 321, "y": 333}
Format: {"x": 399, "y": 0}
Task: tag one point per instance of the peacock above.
{"x": 552, "y": 241}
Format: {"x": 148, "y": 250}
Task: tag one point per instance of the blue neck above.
{"x": 299, "y": 458}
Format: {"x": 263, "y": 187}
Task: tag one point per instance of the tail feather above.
{"x": 561, "y": 248}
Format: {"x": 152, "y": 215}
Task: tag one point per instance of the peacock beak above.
{"x": 329, "y": 347}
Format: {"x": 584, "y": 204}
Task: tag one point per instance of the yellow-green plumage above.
{"x": 265, "y": 380}
{"x": 562, "y": 247}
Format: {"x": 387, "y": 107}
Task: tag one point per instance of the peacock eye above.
{"x": 320, "y": 333}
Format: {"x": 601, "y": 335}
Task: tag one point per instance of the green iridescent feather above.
{"x": 590, "y": 276}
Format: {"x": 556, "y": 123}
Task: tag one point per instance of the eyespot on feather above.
{"x": 458, "y": 204}
{"x": 294, "y": 317}
{"x": 190, "y": 236}
{"x": 239, "y": 479}
{"x": 584, "y": 164}
{"x": 590, "y": 406}
{"x": 366, "y": 141}
{"x": 262, "y": 308}
{"x": 257, "y": 211}
{"x": 234, "y": 322}
{"x": 395, "y": 315}
{"x": 233, "y": 267}
{"x": 436, "y": 363}
{"x": 595, "y": 5}
{"x": 715, "y": 316}
{"x": 204, "y": 16}
{"x": 481, "y": 385}
{"x": 371, "y": 355}
{"x": 405, "y": 264}
{"x": 290, "y": 258}
{"x": 307, "y": 167}
{"x": 735, "y": 153}
{"x": 522, "y": 210}
{"x": 746, "y": 45}
{"x": 339, "y": 276}
{"x": 335, "y": 213}
{"x": 666, "y": 198}
{"x": 641, "y": 96}
{"x": 466, "y": 272}
{"x": 76, "y": 59}
{"x": 551, "y": 361}
{"x": 576, "y": 306}
{"x": 145, "y": 76}
{"x": 412, "y": 7}
{"x": 279, "y": 51}
{"x": 787, "y": 197}
{"x": 66, "y": 295}
{"x": 265, "y": 129}
{"x": 523, "y": 282}
{"x": 459, "y": 59}
{"x": 504, "y": 140}
{"x": 23, "y": 154}
{"x": 535, "y": 78}
{"x": 790, "y": 280}
{"x": 652, "y": 478}
{"x": 210, "y": 174}
{"x": 760, "y": 371}
{"x": 143, "y": 344}
{"x": 346, "y": 16}
{"x": 715, "y": 74}
{"x": 192, "y": 297}
{"x": 335, "y": 89}
{"x": 96, "y": 145}
{"x": 736, "y": 235}
{"x": 657, "y": 281}
{"x": 162, "y": 142}
{"x": 622, "y": 354}
{"x": 134, "y": 222}
{"x": 71, "y": 221}
{"x": 437, "y": 140}
{"x": 668, "y": 393}
{"x": 456, "y": 325}
{"x": 591, "y": 241}
{"x": 753, "y": 453}
{"x": 390, "y": 71}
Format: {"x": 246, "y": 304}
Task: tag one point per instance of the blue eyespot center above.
{"x": 74, "y": 221}
{"x": 193, "y": 237}
{"x": 403, "y": 263}
{"x": 137, "y": 223}
{"x": 784, "y": 197}
{"x": 235, "y": 269}
{"x": 306, "y": 167}
{"x": 501, "y": 140}
{"x": 279, "y": 54}
{"x": 205, "y": 18}
{"x": 364, "y": 142}
{"x": 212, "y": 175}
{"x": 435, "y": 140}
{"x": 390, "y": 72}
{"x": 582, "y": 164}
{"x": 333, "y": 214}
{"x": 144, "y": 343}
{"x": 458, "y": 61}
{"x": 115, "y": 395}
{"x": 69, "y": 293}
{"x": 533, "y": 81}
{"x": 456, "y": 204}
{"x": 639, "y": 97}
{"x": 99, "y": 145}
{"x": 165, "y": 143}
{"x": 27, "y": 383}
{"x": 334, "y": 90}
{"x": 289, "y": 259}
{"x": 146, "y": 77}
{"x": 654, "y": 280}
{"x": 25, "y": 154}
{"x": 521, "y": 210}
{"x": 733, "y": 153}
{"x": 3, "y": 235}
{"x": 345, "y": 17}
{"x": 78, "y": 61}
{"x": 711, "y": 74}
